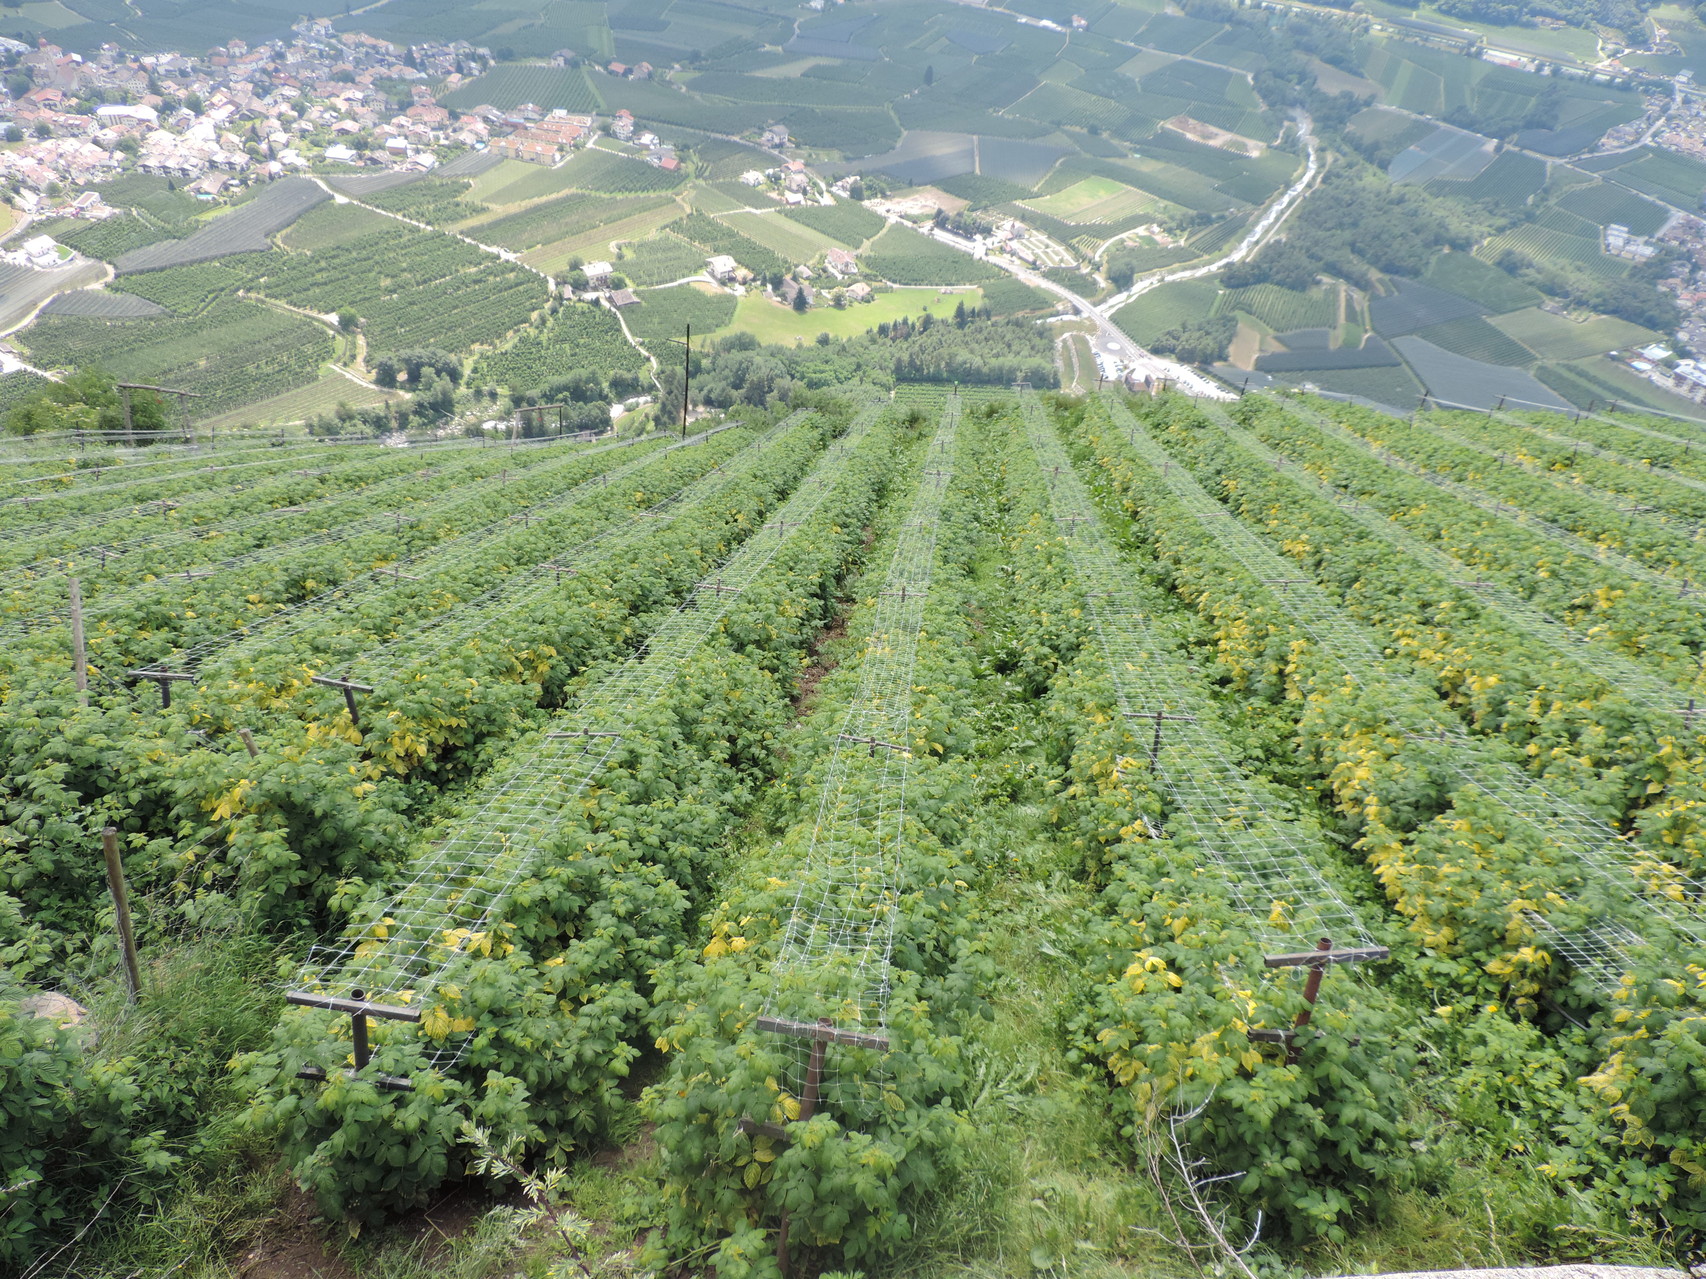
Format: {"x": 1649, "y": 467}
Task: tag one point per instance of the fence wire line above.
{"x": 1631, "y": 877}
{"x": 456, "y": 552}
{"x": 1498, "y": 509}
{"x": 482, "y": 614}
{"x": 1584, "y": 651}
{"x": 465, "y": 497}
{"x": 447, "y": 906}
{"x": 1271, "y": 862}
{"x": 1453, "y": 433}
{"x": 186, "y": 534}
{"x": 835, "y": 954}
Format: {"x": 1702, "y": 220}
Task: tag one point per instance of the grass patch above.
{"x": 771, "y": 322}
{"x": 1555, "y": 337}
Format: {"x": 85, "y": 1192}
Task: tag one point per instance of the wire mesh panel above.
{"x": 1584, "y": 651}
{"x": 1574, "y": 484}
{"x": 1603, "y": 857}
{"x": 486, "y": 614}
{"x": 1563, "y": 536}
{"x": 448, "y": 901}
{"x": 1271, "y": 862}
{"x": 833, "y": 961}
{"x": 357, "y": 592}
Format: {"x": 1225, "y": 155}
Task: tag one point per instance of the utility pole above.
{"x": 686, "y": 346}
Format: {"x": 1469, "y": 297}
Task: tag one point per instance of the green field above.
{"x": 1282, "y": 310}
{"x": 1468, "y": 276}
{"x": 1095, "y": 200}
{"x": 797, "y": 243}
{"x": 665, "y": 313}
{"x": 1554, "y": 337}
{"x": 511, "y": 84}
{"x": 1166, "y": 307}
{"x": 303, "y": 403}
{"x": 772, "y": 322}
{"x": 902, "y": 256}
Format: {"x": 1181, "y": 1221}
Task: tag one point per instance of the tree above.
{"x": 801, "y": 301}
{"x": 929, "y": 75}
{"x": 193, "y": 102}
{"x": 88, "y": 399}
{"x": 348, "y": 320}
{"x": 14, "y": 133}
{"x": 42, "y": 129}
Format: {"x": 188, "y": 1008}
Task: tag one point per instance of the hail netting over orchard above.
{"x": 482, "y": 614}
{"x": 1585, "y": 651}
{"x": 406, "y": 942}
{"x": 1603, "y": 858}
{"x": 833, "y": 961}
{"x": 1269, "y": 859}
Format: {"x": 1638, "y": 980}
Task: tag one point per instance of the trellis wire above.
{"x": 181, "y": 535}
{"x": 352, "y": 593}
{"x": 833, "y": 959}
{"x": 1574, "y": 485}
{"x": 1618, "y": 671}
{"x": 1603, "y": 856}
{"x": 1271, "y": 864}
{"x": 456, "y": 889}
{"x": 1500, "y": 510}
{"x": 482, "y": 614}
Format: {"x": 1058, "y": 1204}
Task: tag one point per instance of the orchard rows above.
{"x": 700, "y": 761}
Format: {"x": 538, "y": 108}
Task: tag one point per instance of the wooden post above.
{"x": 822, "y": 1034}
{"x": 1316, "y": 961}
{"x": 121, "y": 909}
{"x": 129, "y": 434}
{"x": 248, "y": 742}
{"x": 79, "y": 654}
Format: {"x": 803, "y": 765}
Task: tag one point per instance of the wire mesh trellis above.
{"x": 1575, "y": 484}
{"x": 484, "y": 614}
{"x": 1501, "y": 510}
{"x": 452, "y": 894}
{"x": 358, "y": 591}
{"x": 833, "y": 961}
{"x": 1271, "y": 863}
{"x": 1633, "y": 881}
{"x": 1616, "y": 670}
{"x": 465, "y": 503}
{"x": 81, "y": 558}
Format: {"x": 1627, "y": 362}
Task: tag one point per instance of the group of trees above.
{"x": 87, "y": 400}
{"x": 1355, "y": 225}
{"x": 409, "y": 369}
{"x": 1198, "y": 341}
{"x": 1634, "y": 297}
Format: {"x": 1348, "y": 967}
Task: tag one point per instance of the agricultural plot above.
{"x": 903, "y": 256}
{"x": 1417, "y": 306}
{"x": 1282, "y": 310}
{"x": 330, "y": 225}
{"x": 232, "y": 352}
{"x": 1317, "y": 356}
{"x": 1474, "y": 337}
{"x": 601, "y": 240}
{"x": 1462, "y": 380}
{"x": 1167, "y": 307}
{"x": 1511, "y": 180}
{"x": 793, "y": 241}
{"x": 103, "y": 304}
{"x": 248, "y": 228}
{"x": 1543, "y": 243}
{"x": 1096, "y": 201}
{"x": 1604, "y": 203}
{"x": 23, "y": 288}
{"x": 580, "y": 338}
{"x": 1447, "y": 153}
{"x": 412, "y": 289}
{"x": 597, "y": 170}
{"x": 509, "y": 85}
{"x": 304, "y": 404}
{"x": 549, "y": 220}
{"x": 1676, "y": 179}
{"x": 1556, "y": 337}
{"x": 845, "y": 222}
{"x": 666, "y": 313}
{"x": 1479, "y": 282}
{"x": 659, "y": 259}
{"x": 436, "y": 201}
{"x": 923, "y": 156}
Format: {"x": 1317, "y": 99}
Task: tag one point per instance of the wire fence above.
{"x": 1631, "y": 878}
{"x": 1582, "y": 650}
{"x": 1271, "y": 861}
{"x": 834, "y": 957}
{"x": 427, "y": 925}
{"x": 365, "y": 588}
{"x": 1493, "y": 506}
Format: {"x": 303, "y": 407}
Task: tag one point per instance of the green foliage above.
{"x": 666, "y": 313}
{"x": 903, "y": 256}
{"x": 86, "y": 400}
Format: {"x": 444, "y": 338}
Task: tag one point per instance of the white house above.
{"x": 721, "y": 267}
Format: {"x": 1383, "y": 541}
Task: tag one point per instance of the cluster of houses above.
{"x": 543, "y": 137}
{"x": 1619, "y": 243}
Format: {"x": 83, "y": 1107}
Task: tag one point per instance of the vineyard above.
{"x": 1297, "y": 812}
